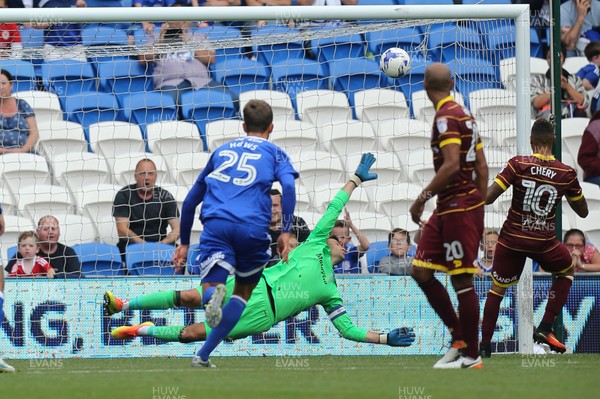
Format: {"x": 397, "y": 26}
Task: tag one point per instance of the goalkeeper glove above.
{"x": 403, "y": 336}
{"x": 362, "y": 173}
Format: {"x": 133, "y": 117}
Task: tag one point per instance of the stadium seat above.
{"x": 494, "y": 219}
{"x": 68, "y": 78}
{"x": 107, "y": 229}
{"x": 538, "y": 67}
{"x": 187, "y": 166}
{"x": 472, "y": 74}
{"x": 338, "y": 47}
{"x": 74, "y": 229}
{"x": 319, "y": 170}
{"x": 227, "y": 40}
{"x": 409, "y": 39}
{"x": 9, "y": 205}
{"x": 419, "y": 166}
{"x": 59, "y": 137}
{"x": 374, "y": 226}
{"x": 13, "y": 227}
{"x": 271, "y": 53}
{"x": 395, "y": 199}
{"x": 496, "y": 159}
{"x": 377, "y": 250}
{"x": 323, "y": 107}
{"x": 536, "y": 45}
{"x": 493, "y": 105}
{"x": 500, "y": 39}
{"x": 147, "y": 107}
{"x": 450, "y": 42}
{"x": 23, "y": 72}
{"x": 220, "y": 131}
{"x": 31, "y": 37}
{"x": 347, "y": 137}
{"x": 92, "y": 107}
{"x": 99, "y": 259}
{"x": 109, "y": 40}
{"x": 172, "y": 138}
{"x": 571, "y": 132}
{"x": 114, "y": 139}
{"x": 294, "y": 136}
{"x": 241, "y": 74}
{"x": 124, "y": 168}
{"x": 423, "y": 108}
{"x": 46, "y": 105}
{"x": 197, "y": 228}
{"x": 124, "y": 76}
{"x": 21, "y": 170}
{"x": 388, "y": 168}
{"x": 280, "y": 103}
{"x": 150, "y": 259}
{"x": 96, "y": 200}
{"x": 295, "y": 75}
{"x": 44, "y": 199}
{"x": 574, "y": 64}
{"x": 350, "y": 76}
{"x": 413, "y": 80}
{"x": 375, "y": 105}
{"x": 207, "y": 105}
{"x": 401, "y": 136}
{"x": 503, "y": 202}
{"x": 405, "y": 222}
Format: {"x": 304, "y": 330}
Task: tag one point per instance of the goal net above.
{"x": 170, "y": 87}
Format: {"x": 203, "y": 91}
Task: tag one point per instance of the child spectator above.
{"x": 341, "y": 231}
{"x": 398, "y": 262}
{"x": 590, "y": 73}
{"x": 487, "y": 246}
{"x": 28, "y": 263}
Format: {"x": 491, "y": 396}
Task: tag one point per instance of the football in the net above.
{"x": 395, "y": 62}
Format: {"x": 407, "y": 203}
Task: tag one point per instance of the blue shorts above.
{"x": 237, "y": 248}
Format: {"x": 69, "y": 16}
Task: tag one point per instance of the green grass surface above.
{"x": 402, "y": 377}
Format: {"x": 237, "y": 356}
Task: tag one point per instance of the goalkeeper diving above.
{"x": 284, "y": 290}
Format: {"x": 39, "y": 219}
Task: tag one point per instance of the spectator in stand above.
{"x": 575, "y": 99}
{"x": 18, "y": 127}
{"x": 62, "y": 258}
{"x": 10, "y": 38}
{"x": 300, "y": 229}
{"x": 28, "y": 263}
{"x": 62, "y": 40}
{"x": 341, "y": 231}
{"x": 589, "y": 151}
{"x": 590, "y": 73}
{"x": 143, "y": 210}
{"x": 585, "y": 255}
{"x": 487, "y": 247}
{"x": 579, "y": 20}
{"x": 399, "y": 261}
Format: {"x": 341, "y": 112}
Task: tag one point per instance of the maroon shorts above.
{"x": 509, "y": 262}
{"x": 450, "y": 242}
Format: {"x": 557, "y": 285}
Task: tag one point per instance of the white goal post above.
{"x": 412, "y": 14}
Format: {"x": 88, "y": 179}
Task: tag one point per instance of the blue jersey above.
{"x": 238, "y": 178}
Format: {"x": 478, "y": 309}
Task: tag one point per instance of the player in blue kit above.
{"x": 236, "y": 211}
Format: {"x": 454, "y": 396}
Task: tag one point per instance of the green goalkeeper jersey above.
{"x": 307, "y": 279}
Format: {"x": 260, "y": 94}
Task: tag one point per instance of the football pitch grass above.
{"x": 329, "y": 377}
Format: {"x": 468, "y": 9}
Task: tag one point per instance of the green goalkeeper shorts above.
{"x": 256, "y": 318}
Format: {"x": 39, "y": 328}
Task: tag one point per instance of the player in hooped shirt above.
{"x": 236, "y": 212}
{"x": 539, "y": 182}
{"x": 450, "y": 238}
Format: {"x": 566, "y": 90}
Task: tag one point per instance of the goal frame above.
{"x": 519, "y": 13}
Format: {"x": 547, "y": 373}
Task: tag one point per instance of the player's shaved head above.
{"x": 438, "y": 77}
{"x": 542, "y": 133}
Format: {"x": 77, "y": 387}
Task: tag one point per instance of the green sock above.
{"x": 165, "y": 333}
{"x": 157, "y": 300}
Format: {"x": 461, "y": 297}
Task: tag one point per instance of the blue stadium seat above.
{"x": 242, "y": 74}
{"x": 500, "y": 42}
{"x": 377, "y": 250}
{"x": 31, "y": 37}
{"x": 297, "y": 75}
{"x": 406, "y": 38}
{"x": 148, "y": 107}
{"x": 536, "y": 45}
{"x": 23, "y": 72}
{"x": 124, "y": 77}
{"x": 11, "y": 252}
{"x": 447, "y": 43}
{"x": 223, "y": 34}
{"x": 91, "y": 107}
{"x": 472, "y": 74}
{"x": 193, "y": 253}
{"x": 68, "y": 77}
{"x": 355, "y": 74}
{"x": 338, "y": 47}
{"x": 204, "y": 105}
{"x": 271, "y": 53}
{"x": 150, "y": 259}
{"x": 97, "y": 35}
{"x": 99, "y": 259}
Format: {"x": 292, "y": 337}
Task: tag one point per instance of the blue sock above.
{"x": 231, "y": 315}
{"x": 207, "y": 294}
